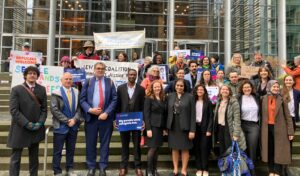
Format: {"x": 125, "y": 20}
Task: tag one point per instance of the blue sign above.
{"x": 195, "y": 54}
{"x": 78, "y": 74}
{"x": 129, "y": 121}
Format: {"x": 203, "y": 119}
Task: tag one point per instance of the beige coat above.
{"x": 282, "y": 129}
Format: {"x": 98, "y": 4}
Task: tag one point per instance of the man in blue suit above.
{"x": 98, "y": 100}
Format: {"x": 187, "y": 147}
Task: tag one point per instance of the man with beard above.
{"x": 192, "y": 77}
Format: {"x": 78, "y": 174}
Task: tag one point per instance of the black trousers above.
{"x": 15, "y": 160}
{"x": 251, "y": 131}
{"x": 273, "y": 167}
{"x": 201, "y": 149}
{"x": 224, "y": 139}
{"x": 125, "y": 140}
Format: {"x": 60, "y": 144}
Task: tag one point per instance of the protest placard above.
{"x": 117, "y": 71}
{"x": 129, "y": 121}
{"x": 164, "y": 72}
{"x": 248, "y": 71}
{"x": 49, "y": 76}
{"x": 119, "y": 40}
{"x": 213, "y": 92}
{"x": 186, "y": 53}
{"x": 24, "y": 57}
{"x": 78, "y": 74}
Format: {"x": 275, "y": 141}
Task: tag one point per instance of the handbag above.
{"x": 235, "y": 162}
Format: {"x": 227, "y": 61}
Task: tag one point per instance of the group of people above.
{"x": 256, "y": 113}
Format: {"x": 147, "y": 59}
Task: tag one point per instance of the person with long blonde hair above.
{"x": 235, "y": 64}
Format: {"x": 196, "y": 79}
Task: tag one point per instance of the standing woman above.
{"x": 204, "y": 121}
{"x": 206, "y": 79}
{"x": 227, "y": 125}
{"x": 155, "y": 118}
{"x": 260, "y": 83}
{"x": 235, "y": 64}
{"x": 181, "y": 123}
{"x": 276, "y": 119}
{"x": 250, "y": 118}
{"x": 220, "y": 81}
{"x": 152, "y": 74}
{"x": 205, "y": 63}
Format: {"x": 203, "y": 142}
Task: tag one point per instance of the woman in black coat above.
{"x": 155, "y": 118}
{"x": 204, "y": 121}
{"x": 181, "y": 124}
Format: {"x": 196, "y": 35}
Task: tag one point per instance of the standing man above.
{"x": 98, "y": 100}
{"x": 234, "y": 83}
{"x": 192, "y": 77}
{"x": 260, "y": 62}
{"x": 28, "y": 108}
{"x": 131, "y": 99}
{"x": 179, "y": 64}
{"x": 89, "y": 53}
{"x": 66, "y": 113}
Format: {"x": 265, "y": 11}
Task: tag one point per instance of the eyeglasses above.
{"x": 99, "y": 68}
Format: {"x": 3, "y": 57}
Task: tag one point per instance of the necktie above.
{"x": 32, "y": 89}
{"x": 69, "y": 98}
{"x": 101, "y": 101}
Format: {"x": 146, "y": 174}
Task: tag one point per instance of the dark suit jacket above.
{"x": 135, "y": 104}
{"x": 207, "y": 117}
{"x": 171, "y": 87}
{"x": 187, "y": 112}
{"x": 154, "y": 113}
{"x": 296, "y": 103}
{"x": 24, "y": 109}
{"x": 86, "y": 98}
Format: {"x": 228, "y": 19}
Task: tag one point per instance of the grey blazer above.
{"x": 57, "y": 105}
{"x": 187, "y": 113}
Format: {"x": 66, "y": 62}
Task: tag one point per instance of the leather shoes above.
{"x": 122, "y": 172}
{"x": 91, "y": 172}
{"x": 102, "y": 172}
{"x": 138, "y": 172}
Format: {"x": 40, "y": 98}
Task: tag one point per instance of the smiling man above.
{"x": 28, "y": 108}
{"x": 66, "y": 120}
{"x": 98, "y": 100}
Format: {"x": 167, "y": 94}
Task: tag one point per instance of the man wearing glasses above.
{"x": 98, "y": 100}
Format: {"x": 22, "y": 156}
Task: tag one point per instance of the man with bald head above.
{"x": 66, "y": 120}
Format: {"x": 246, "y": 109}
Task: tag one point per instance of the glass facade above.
{"x": 293, "y": 28}
{"x": 254, "y": 27}
{"x": 199, "y": 24}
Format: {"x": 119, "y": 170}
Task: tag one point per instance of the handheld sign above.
{"x": 129, "y": 121}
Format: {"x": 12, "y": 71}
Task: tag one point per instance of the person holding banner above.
{"x": 235, "y": 64}
{"x": 28, "y": 108}
{"x": 181, "y": 123}
{"x": 66, "y": 112}
{"x": 155, "y": 118}
{"x": 98, "y": 100}
{"x": 260, "y": 62}
{"x": 88, "y": 51}
{"x": 130, "y": 99}
{"x": 65, "y": 62}
{"x": 204, "y": 123}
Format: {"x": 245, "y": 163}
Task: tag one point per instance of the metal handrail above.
{"x": 46, "y": 149}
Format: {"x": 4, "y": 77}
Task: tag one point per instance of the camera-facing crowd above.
{"x": 259, "y": 113}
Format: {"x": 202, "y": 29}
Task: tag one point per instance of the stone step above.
{"x": 5, "y": 102}
{"x": 4, "y": 90}
{"x": 115, "y": 149}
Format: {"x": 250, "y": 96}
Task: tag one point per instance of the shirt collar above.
{"x": 131, "y": 87}
{"x": 30, "y": 85}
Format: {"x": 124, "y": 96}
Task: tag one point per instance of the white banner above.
{"x": 117, "y": 71}
{"x": 177, "y": 52}
{"x": 49, "y": 76}
{"x": 119, "y": 40}
{"x": 24, "y": 57}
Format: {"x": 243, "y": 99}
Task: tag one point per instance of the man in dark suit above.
{"x": 98, "y": 100}
{"x": 66, "y": 113}
{"x": 28, "y": 108}
{"x": 130, "y": 99}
